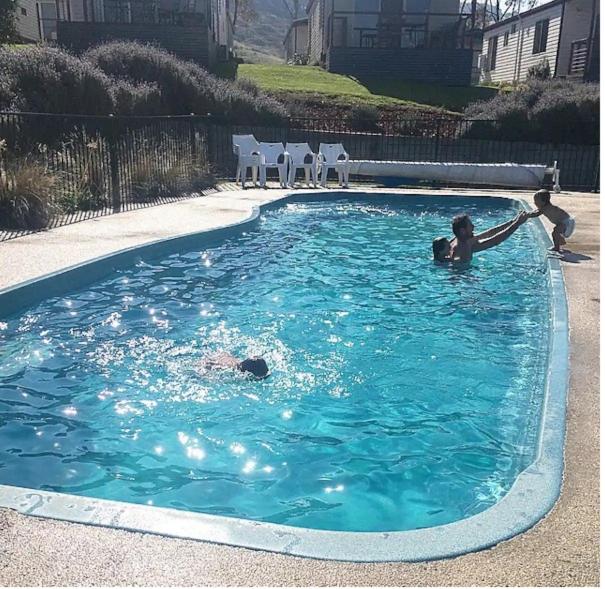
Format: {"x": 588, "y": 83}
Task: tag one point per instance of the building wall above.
{"x": 297, "y": 40}
{"x": 27, "y": 24}
{"x": 577, "y": 20}
{"x": 186, "y": 42}
{"x": 444, "y": 66}
{"x": 514, "y": 60}
{"x": 316, "y": 32}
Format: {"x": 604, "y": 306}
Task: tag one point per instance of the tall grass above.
{"x": 27, "y": 189}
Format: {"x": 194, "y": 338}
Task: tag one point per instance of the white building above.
{"x": 562, "y": 33}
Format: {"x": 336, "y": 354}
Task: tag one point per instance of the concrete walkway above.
{"x": 562, "y": 550}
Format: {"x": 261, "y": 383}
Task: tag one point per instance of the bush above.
{"x": 299, "y": 59}
{"x": 26, "y": 194}
{"x": 364, "y": 118}
{"x": 540, "y": 71}
{"x": 47, "y": 79}
{"x": 180, "y": 87}
{"x": 85, "y": 187}
{"x": 547, "y": 111}
{"x": 136, "y": 99}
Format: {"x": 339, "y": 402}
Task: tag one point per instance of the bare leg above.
{"x": 557, "y": 237}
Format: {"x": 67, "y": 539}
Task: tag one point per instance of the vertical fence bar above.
{"x": 114, "y": 164}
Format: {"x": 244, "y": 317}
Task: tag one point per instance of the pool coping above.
{"x": 530, "y": 498}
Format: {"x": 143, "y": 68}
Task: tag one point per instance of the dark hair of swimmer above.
{"x": 255, "y": 366}
{"x": 441, "y": 248}
{"x": 458, "y": 223}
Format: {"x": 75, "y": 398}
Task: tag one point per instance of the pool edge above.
{"x": 532, "y": 496}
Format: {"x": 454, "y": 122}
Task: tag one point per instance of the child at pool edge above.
{"x": 254, "y": 366}
{"x": 564, "y": 223}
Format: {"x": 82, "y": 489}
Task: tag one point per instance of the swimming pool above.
{"x": 403, "y": 395}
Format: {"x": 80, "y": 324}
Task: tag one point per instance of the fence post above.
{"x": 437, "y": 138}
{"x": 114, "y": 163}
{"x": 192, "y": 138}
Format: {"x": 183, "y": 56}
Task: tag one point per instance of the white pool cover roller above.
{"x": 518, "y": 175}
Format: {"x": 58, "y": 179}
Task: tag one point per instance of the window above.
{"x": 492, "y": 49}
{"x": 513, "y": 29}
{"x": 505, "y": 42}
{"x": 24, "y": 11}
{"x": 540, "y": 36}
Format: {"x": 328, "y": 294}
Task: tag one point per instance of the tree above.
{"x": 497, "y": 10}
{"x": 8, "y": 13}
{"x": 243, "y": 10}
{"x": 293, "y": 7}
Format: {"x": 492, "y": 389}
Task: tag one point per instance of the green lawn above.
{"x": 312, "y": 79}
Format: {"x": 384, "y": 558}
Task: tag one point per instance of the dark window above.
{"x": 24, "y": 11}
{"x": 513, "y": 29}
{"x": 492, "y": 50}
{"x": 540, "y": 36}
{"x": 505, "y": 42}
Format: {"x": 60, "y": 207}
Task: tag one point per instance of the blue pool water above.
{"x": 403, "y": 394}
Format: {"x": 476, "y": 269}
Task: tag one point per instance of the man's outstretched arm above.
{"x": 497, "y": 229}
{"x": 497, "y": 239}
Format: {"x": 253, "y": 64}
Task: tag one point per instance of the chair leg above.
{"x": 292, "y": 176}
{"x": 324, "y": 176}
{"x": 308, "y": 177}
{"x": 243, "y": 174}
{"x": 263, "y": 177}
{"x": 238, "y": 171}
{"x": 254, "y": 175}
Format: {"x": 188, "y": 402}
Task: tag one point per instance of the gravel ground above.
{"x": 561, "y": 550}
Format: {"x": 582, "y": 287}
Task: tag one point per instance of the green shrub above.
{"x": 364, "y": 118}
{"x": 182, "y": 87}
{"x": 547, "y": 111}
{"x": 85, "y": 186}
{"x": 47, "y": 79}
{"x": 26, "y": 194}
{"x": 539, "y": 71}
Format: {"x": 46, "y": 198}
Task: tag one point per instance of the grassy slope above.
{"x": 310, "y": 79}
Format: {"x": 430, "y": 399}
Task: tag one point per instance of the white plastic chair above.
{"x": 273, "y": 155}
{"x": 333, "y": 155}
{"x": 247, "y": 150}
{"x": 300, "y": 156}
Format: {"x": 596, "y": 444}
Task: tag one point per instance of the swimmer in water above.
{"x": 254, "y": 366}
{"x": 442, "y": 249}
{"x": 466, "y": 243}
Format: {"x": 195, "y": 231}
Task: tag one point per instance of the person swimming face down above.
{"x": 255, "y": 366}
{"x": 441, "y": 249}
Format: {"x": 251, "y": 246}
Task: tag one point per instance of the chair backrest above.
{"x": 332, "y": 152}
{"x": 273, "y": 153}
{"x": 298, "y": 152}
{"x": 245, "y": 144}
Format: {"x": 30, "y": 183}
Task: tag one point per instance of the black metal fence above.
{"x": 91, "y": 166}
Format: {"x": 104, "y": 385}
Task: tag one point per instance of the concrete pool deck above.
{"x": 563, "y": 549}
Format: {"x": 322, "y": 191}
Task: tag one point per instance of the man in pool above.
{"x": 254, "y": 366}
{"x": 465, "y": 243}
